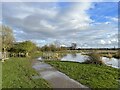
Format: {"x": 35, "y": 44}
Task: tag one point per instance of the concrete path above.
{"x": 54, "y": 77}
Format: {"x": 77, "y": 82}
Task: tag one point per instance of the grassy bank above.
{"x": 0, "y": 75}
{"x": 18, "y": 73}
{"x": 93, "y": 76}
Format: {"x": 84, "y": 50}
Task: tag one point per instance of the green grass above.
{"x": 93, "y": 76}
{"x": 0, "y": 75}
{"x": 18, "y": 72}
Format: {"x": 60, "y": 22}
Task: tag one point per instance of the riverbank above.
{"x": 93, "y": 76}
{"x": 18, "y": 73}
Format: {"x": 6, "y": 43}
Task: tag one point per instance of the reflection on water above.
{"x": 81, "y": 58}
{"x": 74, "y": 57}
{"x": 111, "y": 62}
{"x": 77, "y": 57}
{"x": 40, "y": 58}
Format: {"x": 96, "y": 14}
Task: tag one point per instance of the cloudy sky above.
{"x": 89, "y": 24}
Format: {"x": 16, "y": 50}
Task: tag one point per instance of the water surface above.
{"x": 81, "y": 58}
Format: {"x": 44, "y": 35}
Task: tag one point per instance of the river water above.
{"x": 81, "y": 58}
{"x": 77, "y": 57}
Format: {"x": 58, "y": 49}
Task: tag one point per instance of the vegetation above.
{"x": 52, "y": 48}
{"x": 117, "y": 55}
{"x": 18, "y": 73}
{"x": 23, "y": 49}
{"x": 73, "y": 46}
{"x": 94, "y": 58}
{"x": 52, "y": 55}
{"x": 0, "y": 75}
{"x": 91, "y": 75}
{"x": 7, "y": 37}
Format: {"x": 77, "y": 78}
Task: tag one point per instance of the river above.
{"x": 78, "y": 57}
{"x": 81, "y": 58}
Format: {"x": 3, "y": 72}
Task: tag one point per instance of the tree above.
{"x": 7, "y": 37}
{"x": 0, "y": 39}
{"x": 45, "y": 48}
{"x": 53, "y": 47}
{"x": 73, "y": 46}
{"x": 25, "y": 47}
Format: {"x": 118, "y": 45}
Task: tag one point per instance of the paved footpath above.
{"x": 56, "y": 78}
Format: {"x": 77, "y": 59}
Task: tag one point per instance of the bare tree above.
{"x": 73, "y": 46}
{"x": 7, "y": 37}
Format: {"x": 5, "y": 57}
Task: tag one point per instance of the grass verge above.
{"x": 93, "y": 76}
{"x": 18, "y": 73}
{"x": 0, "y": 75}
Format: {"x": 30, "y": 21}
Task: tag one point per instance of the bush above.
{"x": 51, "y": 56}
{"x": 117, "y": 55}
{"x": 22, "y": 49}
{"x": 94, "y": 58}
{"x": 110, "y": 55}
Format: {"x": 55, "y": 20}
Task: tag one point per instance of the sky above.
{"x": 88, "y": 24}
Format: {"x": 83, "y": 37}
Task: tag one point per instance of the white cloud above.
{"x": 47, "y": 22}
{"x": 59, "y": 1}
{"x": 77, "y": 16}
{"x": 102, "y": 42}
{"x": 47, "y": 25}
{"x": 112, "y": 19}
{"x": 107, "y": 22}
{"x": 114, "y": 40}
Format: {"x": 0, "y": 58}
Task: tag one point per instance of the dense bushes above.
{"x": 51, "y": 48}
{"x": 22, "y": 49}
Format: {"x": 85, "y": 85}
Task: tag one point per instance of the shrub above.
{"x": 51, "y": 56}
{"x": 22, "y": 49}
{"x": 117, "y": 55}
{"x": 110, "y": 55}
{"x": 94, "y": 58}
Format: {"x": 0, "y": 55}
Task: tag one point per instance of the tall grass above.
{"x": 117, "y": 55}
{"x": 94, "y": 58}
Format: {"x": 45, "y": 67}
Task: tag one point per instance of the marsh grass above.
{"x": 117, "y": 55}
{"x": 94, "y": 58}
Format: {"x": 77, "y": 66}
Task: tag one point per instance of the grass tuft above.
{"x": 94, "y": 58}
